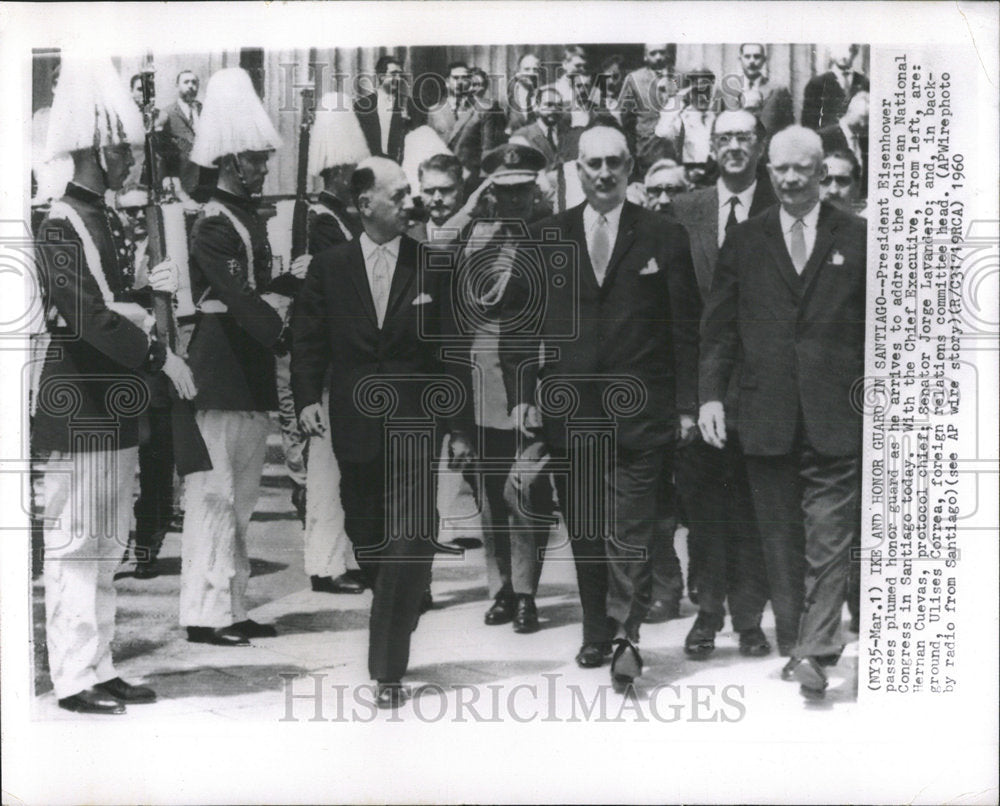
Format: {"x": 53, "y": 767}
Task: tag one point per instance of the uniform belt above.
{"x": 212, "y": 306}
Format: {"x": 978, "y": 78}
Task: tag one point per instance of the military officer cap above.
{"x": 513, "y": 164}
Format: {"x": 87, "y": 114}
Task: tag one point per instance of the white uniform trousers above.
{"x": 218, "y": 503}
{"x": 88, "y": 507}
{"x": 328, "y": 551}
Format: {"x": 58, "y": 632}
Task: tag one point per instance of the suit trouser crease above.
{"x": 613, "y": 570}
{"x": 808, "y": 512}
{"x": 714, "y": 488}
{"x": 398, "y": 567}
{"x": 293, "y": 442}
{"x": 87, "y": 514}
{"x": 215, "y": 565}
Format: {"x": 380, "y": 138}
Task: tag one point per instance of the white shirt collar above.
{"x": 186, "y": 108}
{"x": 368, "y": 247}
{"x": 590, "y": 217}
{"x": 745, "y": 196}
{"x": 809, "y": 220}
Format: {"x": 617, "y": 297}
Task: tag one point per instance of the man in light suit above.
{"x": 754, "y": 91}
{"x": 826, "y": 96}
{"x": 370, "y": 315}
{"x": 387, "y": 114}
{"x": 469, "y": 127}
{"x": 180, "y": 125}
{"x": 621, "y": 321}
{"x": 725, "y": 557}
{"x": 789, "y": 296}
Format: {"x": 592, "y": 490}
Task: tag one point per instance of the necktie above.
{"x": 600, "y": 249}
{"x": 731, "y": 221}
{"x": 550, "y": 134}
{"x": 380, "y": 283}
{"x": 798, "y": 250}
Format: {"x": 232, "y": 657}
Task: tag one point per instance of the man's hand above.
{"x": 687, "y": 429}
{"x": 301, "y": 265}
{"x": 460, "y": 452}
{"x": 527, "y": 418}
{"x": 712, "y": 422}
{"x": 165, "y": 276}
{"x": 311, "y": 420}
{"x": 180, "y": 376}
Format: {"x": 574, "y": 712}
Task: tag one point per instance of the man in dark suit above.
{"x": 550, "y": 132}
{"x": 850, "y": 134}
{"x": 789, "y": 297}
{"x": 827, "y": 95}
{"x": 618, "y": 313}
{"x": 726, "y": 560}
{"x": 369, "y": 315}
{"x": 179, "y": 127}
{"x": 754, "y": 91}
{"x": 521, "y": 93}
{"x": 387, "y": 114}
{"x": 641, "y": 100}
{"x": 469, "y": 126}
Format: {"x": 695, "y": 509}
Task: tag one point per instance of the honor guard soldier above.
{"x": 91, "y": 393}
{"x": 336, "y": 146}
{"x": 232, "y": 353}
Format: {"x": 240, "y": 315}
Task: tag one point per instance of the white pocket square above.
{"x": 421, "y": 299}
{"x": 836, "y": 259}
{"x": 650, "y": 268}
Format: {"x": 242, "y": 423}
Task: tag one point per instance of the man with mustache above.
{"x": 786, "y": 316}
{"x": 179, "y": 129}
{"x": 627, "y": 376}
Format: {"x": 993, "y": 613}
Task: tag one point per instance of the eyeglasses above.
{"x": 613, "y": 163}
{"x": 743, "y": 138}
{"x": 659, "y": 190}
{"x": 842, "y": 181}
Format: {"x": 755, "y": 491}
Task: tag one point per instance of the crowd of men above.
{"x": 633, "y": 299}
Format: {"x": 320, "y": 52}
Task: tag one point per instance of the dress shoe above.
{"x": 341, "y": 584}
{"x": 592, "y": 655}
{"x": 355, "y": 575}
{"x": 502, "y": 610}
{"x": 427, "y": 603}
{"x": 662, "y": 610}
{"x": 146, "y": 569}
{"x": 92, "y": 701}
{"x": 391, "y": 695}
{"x": 855, "y": 625}
{"x": 526, "y": 614}
{"x": 812, "y": 679}
{"x": 126, "y": 692}
{"x": 222, "y": 636}
{"x": 788, "y": 670}
{"x": 700, "y": 641}
{"x": 251, "y": 629}
{"x": 467, "y": 542}
{"x": 753, "y": 643}
{"x": 626, "y": 664}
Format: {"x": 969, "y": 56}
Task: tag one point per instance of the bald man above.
{"x": 620, "y": 322}
{"x": 373, "y": 317}
{"x": 787, "y": 312}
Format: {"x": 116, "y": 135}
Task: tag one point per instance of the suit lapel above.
{"x": 779, "y": 252}
{"x": 626, "y": 237}
{"x": 706, "y": 235}
{"x": 459, "y": 124}
{"x": 825, "y": 228}
{"x": 577, "y": 234}
{"x": 402, "y": 277}
{"x": 359, "y": 276}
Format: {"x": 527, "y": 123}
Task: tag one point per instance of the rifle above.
{"x": 190, "y": 452}
{"x": 300, "y": 214}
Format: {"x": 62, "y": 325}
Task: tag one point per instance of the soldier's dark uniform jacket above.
{"x": 94, "y": 372}
{"x": 325, "y": 229}
{"x": 232, "y": 353}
